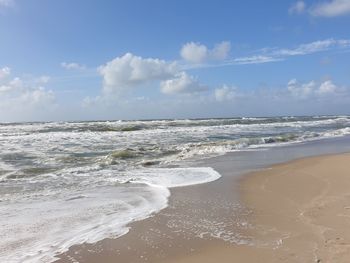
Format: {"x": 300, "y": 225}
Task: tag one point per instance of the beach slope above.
{"x": 301, "y": 213}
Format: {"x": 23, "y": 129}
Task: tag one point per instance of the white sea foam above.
{"x": 173, "y": 177}
{"x": 35, "y": 229}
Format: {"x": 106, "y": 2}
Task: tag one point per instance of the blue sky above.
{"x": 85, "y": 59}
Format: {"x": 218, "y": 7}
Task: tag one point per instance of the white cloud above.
{"x": 301, "y": 90}
{"x": 279, "y": 54}
{"x": 194, "y": 52}
{"x": 4, "y": 72}
{"x": 182, "y": 83}
{"x": 16, "y": 90}
{"x": 37, "y": 96}
{"x": 5, "y": 84}
{"x": 72, "y": 66}
{"x": 220, "y": 51}
{"x": 199, "y": 53}
{"x": 327, "y": 87}
{"x": 267, "y": 54}
{"x": 297, "y": 8}
{"x": 225, "y": 93}
{"x": 331, "y": 8}
{"x": 22, "y": 95}
{"x": 313, "y": 47}
{"x": 129, "y": 71}
{"x": 311, "y": 89}
{"x": 126, "y": 72}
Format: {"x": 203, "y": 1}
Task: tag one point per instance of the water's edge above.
{"x": 199, "y": 218}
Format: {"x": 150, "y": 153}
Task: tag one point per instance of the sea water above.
{"x": 67, "y": 183}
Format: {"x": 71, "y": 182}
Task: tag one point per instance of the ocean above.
{"x": 67, "y": 183}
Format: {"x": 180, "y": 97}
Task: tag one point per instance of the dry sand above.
{"x": 304, "y": 205}
{"x": 300, "y": 213}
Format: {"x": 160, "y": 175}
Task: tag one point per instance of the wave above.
{"x": 29, "y": 172}
{"x": 131, "y": 126}
{"x": 191, "y": 150}
{"x": 123, "y": 154}
{"x": 150, "y": 156}
{"x": 51, "y": 225}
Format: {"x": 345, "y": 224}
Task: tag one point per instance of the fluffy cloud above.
{"x": 18, "y": 95}
{"x": 130, "y": 71}
{"x": 297, "y": 8}
{"x": 194, "y": 52}
{"x": 72, "y": 65}
{"x": 327, "y": 87}
{"x": 306, "y": 90}
{"x": 331, "y": 8}
{"x": 301, "y": 90}
{"x": 37, "y": 96}
{"x": 220, "y": 51}
{"x": 182, "y": 83}
{"x": 225, "y": 93}
{"x": 199, "y": 53}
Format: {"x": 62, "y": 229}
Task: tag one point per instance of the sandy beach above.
{"x": 302, "y": 210}
{"x": 301, "y": 213}
{"x": 297, "y": 211}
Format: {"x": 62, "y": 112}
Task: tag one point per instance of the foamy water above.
{"x": 69, "y": 183}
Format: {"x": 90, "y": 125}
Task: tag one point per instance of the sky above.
{"x": 126, "y": 59}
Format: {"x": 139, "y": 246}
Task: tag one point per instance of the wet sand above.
{"x": 301, "y": 213}
{"x": 197, "y": 217}
{"x": 293, "y": 212}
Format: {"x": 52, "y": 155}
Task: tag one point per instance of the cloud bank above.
{"x": 312, "y": 89}
{"x": 129, "y": 71}
{"x": 21, "y": 98}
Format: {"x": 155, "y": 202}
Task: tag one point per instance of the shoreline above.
{"x": 176, "y": 234}
{"x": 300, "y": 213}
